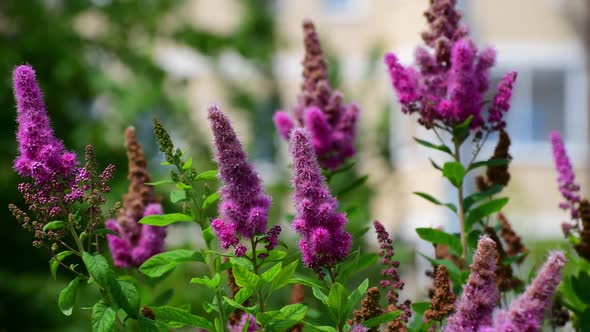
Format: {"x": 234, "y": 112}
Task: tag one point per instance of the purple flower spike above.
{"x": 120, "y": 246}
{"x": 151, "y": 240}
{"x": 463, "y": 83}
{"x": 566, "y": 177}
{"x": 403, "y": 81}
{"x": 501, "y": 102}
{"x": 239, "y": 327}
{"x": 359, "y": 328}
{"x": 323, "y": 239}
{"x": 526, "y": 313}
{"x": 41, "y": 156}
{"x": 244, "y": 207}
{"x": 283, "y": 123}
{"x": 480, "y": 294}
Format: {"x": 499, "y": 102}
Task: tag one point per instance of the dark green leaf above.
{"x": 98, "y": 268}
{"x": 461, "y": 131}
{"x": 474, "y": 198}
{"x": 455, "y": 172}
{"x": 306, "y": 281}
{"x": 483, "y": 210}
{"x": 207, "y": 175}
{"x": 337, "y": 300}
{"x": 67, "y": 297}
{"x": 439, "y": 237}
{"x": 173, "y": 315}
{"x": 435, "y": 201}
{"x": 165, "y": 219}
{"x": 163, "y": 298}
{"x": 160, "y": 264}
{"x": 128, "y": 298}
{"x": 430, "y": 145}
{"x": 488, "y": 163}
{"x": 54, "y": 225}
{"x": 420, "y": 307}
{"x": 580, "y": 285}
{"x": 381, "y": 319}
{"x": 435, "y": 165}
{"x": 355, "y": 297}
{"x": 102, "y": 231}
{"x": 148, "y": 325}
{"x": 103, "y": 318}
{"x": 353, "y": 185}
{"x": 54, "y": 262}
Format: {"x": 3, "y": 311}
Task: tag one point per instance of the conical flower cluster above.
{"x": 320, "y": 109}
{"x": 324, "y": 242}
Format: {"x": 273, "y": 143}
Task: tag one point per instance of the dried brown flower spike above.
{"x": 443, "y": 300}
{"x": 513, "y": 241}
{"x": 370, "y": 308}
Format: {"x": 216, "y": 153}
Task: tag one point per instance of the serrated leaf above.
{"x": 165, "y": 219}
{"x": 160, "y": 264}
{"x": 128, "y": 298}
{"x": 214, "y": 197}
{"x": 171, "y": 315}
{"x": 430, "y": 145}
{"x": 439, "y": 237}
{"x": 98, "y": 268}
{"x": 54, "y": 225}
{"x": 67, "y": 297}
{"x": 483, "y": 210}
{"x": 454, "y": 172}
{"x": 103, "y": 318}
{"x": 207, "y": 175}
{"x": 381, "y": 319}
{"x": 245, "y": 278}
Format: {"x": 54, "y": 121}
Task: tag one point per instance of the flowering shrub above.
{"x": 473, "y": 277}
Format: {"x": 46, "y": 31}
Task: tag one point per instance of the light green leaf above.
{"x": 381, "y": 319}
{"x": 337, "y": 300}
{"x": 103, "y": 318}
{"x": 476, "y": 197}
{"x": 283, "y": 277}
{"x": 160, "y": 264}
{"x": 214, "y": 197}
{"x": 320, "y": 295}
{"x": 67, "y": 297}
{"x": 128, "y": 298}
{"x": 207, "y": 175}
{"x": 455, "y": 172}
{"x": 188, "y": 164}
{"x": 177, "y": 196}
{"x": 245, "y": 278}
{"x": 439, "y": 237}
{"x": 211, "y": 283}
{"x": 165, "y": 219}
{"x": 54, "y": 262}
{"x": 269, "y": 274}
{"x": 159, "y": 183}
{"x": 483, "y": 210}
{"x": 54, "y": 225}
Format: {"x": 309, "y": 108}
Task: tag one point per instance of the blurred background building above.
{"x": 105, "y": 64}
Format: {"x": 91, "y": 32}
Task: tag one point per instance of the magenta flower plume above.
{"x": 244, "y": 206}
{"x": 501, "y": 102}
{"x": 320, "y": 109}
{"x": 359, "y": 328}
{"x": 526, "y": 312}
{"x": 448, "y": 83}
{"x": 135, "y": 242}
{"x": 239, "y": 327}
{"x": 566, "y": 177}
{"x": 323, "y": 239}
{"x": 42, "y": 157}
{"x": 480, "y": 294}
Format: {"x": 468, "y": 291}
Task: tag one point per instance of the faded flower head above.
{"x": 448, "y": 84}
{"x": 480, "y": 294}
{"x": 324, "y": 242}
{"x": 244, "y": 205}
{"x": 136, "y": 242}
{"x": 320, "y": 109}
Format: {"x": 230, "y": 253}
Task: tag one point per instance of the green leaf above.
{"x": 474, "y": 198}
{"x": 102, "y": 231}
{"x": 98, "y": 268}
{"x": 461, "y": 131}
{"x": 54, "y": 262}
{"x": 580, "y": 285}
{"x": 177, "y": 196}
{"x": 353, "y": 185}
{"x": 337, "y": 300}
{"x": 160, "y": 264}
{"x": 483, "y": 210}
{"x": 455, "y": 172}
{"x": 243, "y": 294}
{"x": 306, "y": 281}
{"x": 320, "y": 295}
{"x": 188, "y": 164}
{"x": 54, "y": 225}
{"x": 128, "y": 298}
{"x": 67, "y": 297}
{"x": 103, "y": 318}
{"x": 207, "y": 175}
{"x": 355, "y": 297}
{"x": 237, "y": 305}
{"x": 283, "y": 277}
{"x": 159, "y": 183}
{"x": 148, "y": 325}
{"x": 489, "y": 163}
{"x": 214, "y": 197}
{"x": 430, "y": 145}
{"x": 420, "y": 307}
{"x": 245, "y": 278}
{"x": 282, "y": 320}
{"x": 435, "y": 165}
{"x": 295, "y": 312}
{"x": 439, "y": 237}
{"x": 381, "y": 319}
{"x": 173, "y": 315}
{"x": 435, "y": 201}
{"x": 211, "y": 283}
{"x": 269, "y": 274}
{"x": 163, "y": 298}
{"x": 165, "y": 219}
{"x": 454, "y": 272}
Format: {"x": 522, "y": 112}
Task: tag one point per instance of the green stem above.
{"x": 460, "y": 209}
{"x": 255, "y": 265}
{"x": 211, "y": 265}
{"x": 76, "y": 239}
